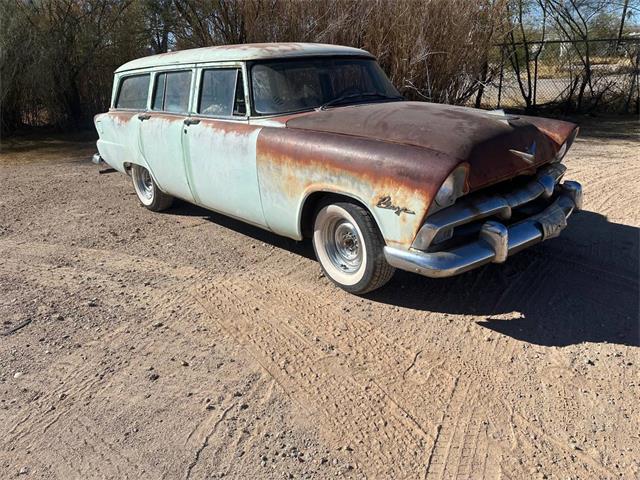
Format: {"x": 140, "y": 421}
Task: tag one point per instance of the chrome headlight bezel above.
{"x": 560, "y": 153}
{"x": 564, "y": 148}
{"x": 451, "y": 189}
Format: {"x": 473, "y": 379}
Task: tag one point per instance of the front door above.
{"x": 220, "y": 147}
{"x": 162, "y": 132}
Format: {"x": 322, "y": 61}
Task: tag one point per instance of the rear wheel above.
{"x": 349, "y": 247}
{"x": 148, "y": 192}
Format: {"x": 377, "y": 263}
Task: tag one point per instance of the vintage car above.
{"x": 313, "y": 141}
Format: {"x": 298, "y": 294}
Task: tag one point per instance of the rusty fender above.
{"x": 557, "y": 130}
{"x": 472, "y": 136}
{"x": 394, "y": 182}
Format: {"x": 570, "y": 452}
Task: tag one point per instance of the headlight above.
{"x": 566, "y": 145}
{"x": 452, "y": 188}
{"x": 561, "y": 153}
{"x": 446, "y": 194}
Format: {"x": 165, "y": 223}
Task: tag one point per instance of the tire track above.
{"x": 422, "y": 400}
{"x": 462, "y": 449}
{"x": 205, "y": 442}
{"x": 352, "y": 355}
{"x": 346, "y": 405}
{"x": 74, "y": 376}
{"x": 385, "y": 360}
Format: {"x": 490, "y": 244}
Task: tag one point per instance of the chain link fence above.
{"x": 569, "y": 76}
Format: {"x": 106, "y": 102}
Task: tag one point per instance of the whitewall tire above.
{"x": 147, "y": 190}
{"x": 349, "y": 247}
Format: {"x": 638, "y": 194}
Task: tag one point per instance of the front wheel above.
{"x": 349, "y": 247}
{"x": 147, "y": 190}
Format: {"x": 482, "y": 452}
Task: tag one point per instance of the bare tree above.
{"x": 523, "y": 51}
{"x": 161, "y": 22}
{"x": 572, "y": 18}
{"x": 79, "y": 43}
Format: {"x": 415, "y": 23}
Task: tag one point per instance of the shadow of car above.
{"x": 580, "y": 287}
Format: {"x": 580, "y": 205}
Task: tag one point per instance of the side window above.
{"x": 171, "y": 92}
{"x": 222, "y": 93}
{"x": 133, "y": 92}
{"x": 158, "y": 92}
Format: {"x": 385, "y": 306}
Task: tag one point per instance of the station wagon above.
{"x": 314, "y": 141}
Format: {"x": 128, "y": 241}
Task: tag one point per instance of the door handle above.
{"x": 191, "y": 121}
{"x": 144, "y": 116}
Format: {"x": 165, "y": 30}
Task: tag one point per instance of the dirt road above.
{"x": 188, "y": 345}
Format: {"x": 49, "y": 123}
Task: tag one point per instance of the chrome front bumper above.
{"x": 495, "y": 241}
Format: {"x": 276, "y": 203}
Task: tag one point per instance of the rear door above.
{"x": 162, "y": 131}
{"x": 220, "y": 145}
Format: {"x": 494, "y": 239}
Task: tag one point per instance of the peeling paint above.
{"x": 243, "y": 52}
{"x": 392, "y": 157}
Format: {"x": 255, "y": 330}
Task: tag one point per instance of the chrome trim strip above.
{"x": 496, "y": 241}
{"x": 481, "y": 206}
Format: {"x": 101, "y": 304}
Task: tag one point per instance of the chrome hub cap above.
{"x": 145, "y": 184}
{"x": 343, "y": 245}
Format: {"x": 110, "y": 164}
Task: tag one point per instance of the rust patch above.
{"x": 243, "y": 52}
{"x": 377, "y": 163}
{"x": 227, "y": 127}
{"x": 265, "y": 47}
{"x": 447, "y": 133}
{"x": 126, "y": 115}
{"x": 558, "y": 130}
{"x": 120, "y": 116}
{"x": 293, "y": 161}
{"x": 169, "y": 117}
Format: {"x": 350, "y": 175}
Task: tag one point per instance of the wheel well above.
{"x": 313, "y": 201}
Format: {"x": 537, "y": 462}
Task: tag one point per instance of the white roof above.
{"x": 248, "y": 51}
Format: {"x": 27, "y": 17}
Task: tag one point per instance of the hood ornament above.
{"x": 529, "y": 156}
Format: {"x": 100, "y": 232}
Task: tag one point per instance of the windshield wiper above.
{"x": 362, "y": 95}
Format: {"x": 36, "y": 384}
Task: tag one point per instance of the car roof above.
{"x": 242, "y": 52}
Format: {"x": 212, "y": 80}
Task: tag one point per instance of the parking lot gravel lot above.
{"x": 189, "y": 345}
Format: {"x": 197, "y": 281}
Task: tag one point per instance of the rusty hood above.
{"x": 449, "y": 134}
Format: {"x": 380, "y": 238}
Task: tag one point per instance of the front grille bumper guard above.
{"x": 481, "y": 205}
{"x": 496, "y": 241}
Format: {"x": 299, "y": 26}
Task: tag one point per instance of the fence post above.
{"x": 485, "y": 71}
{"x": 634, "y": 83}
{"x": 501, "y": 76}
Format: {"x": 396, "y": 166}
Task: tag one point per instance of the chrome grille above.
{"x": 439, "y": 226}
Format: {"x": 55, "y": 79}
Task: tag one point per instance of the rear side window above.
{"x": 222, "y": 93}
{"x": 158, "y": 92}
{"x": 133, "y": 92}
{"x": 171, "y": 92}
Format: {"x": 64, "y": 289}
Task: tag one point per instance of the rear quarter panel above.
{"x": 118, "y": 139}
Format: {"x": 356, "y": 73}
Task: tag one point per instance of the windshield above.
{"x": 303, "y": 84}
